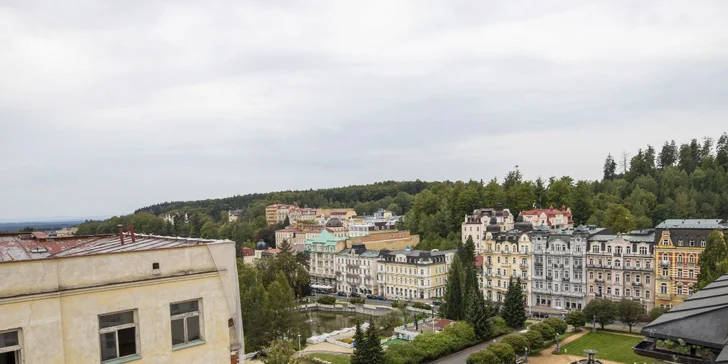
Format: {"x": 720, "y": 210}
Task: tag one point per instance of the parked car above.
{"x": 436, "y": 303}
{"x": 343, "y": 294}
{"x": 371, "y": 297}
{"x": 354, "y": 294}
{"x": 381, "y": 298}
{"x": 540, "y": 315}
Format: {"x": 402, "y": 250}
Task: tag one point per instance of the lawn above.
{"x": 395, "y": 341}
{"x": 609, "y": 346}
{"x": 333, "y": 359}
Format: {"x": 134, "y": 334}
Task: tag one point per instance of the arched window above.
{"x": 523, "y": 261}
{"x": 514, "y": 260}
{"x": 663, "y": 288}
{"x": 691, "y": 258}
{"x": 679, "y": 258}
{"x": 664, "y": 256}
{"x": 498, "y": 259}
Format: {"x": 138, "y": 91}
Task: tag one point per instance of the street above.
{"x": 461, "y": 356}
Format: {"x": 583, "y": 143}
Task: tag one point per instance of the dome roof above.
{"x": 493, "y": 226}
{"x": 542, "y": 227}
{"x": 522, "y": 225}
{"x": 261, "y": 245}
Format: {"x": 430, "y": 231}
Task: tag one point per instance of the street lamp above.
{"x": 299, "y": 341}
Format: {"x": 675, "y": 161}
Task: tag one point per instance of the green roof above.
{"x": 325, "y": 238}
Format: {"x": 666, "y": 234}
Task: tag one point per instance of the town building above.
{"x": 356, "y": 270}
{"x": 118, "y": 298}
{"x": 365, "y": 224}
{"x": 248, "y": 255}
{"x": 558, "y": 281}
{"x": 506, "y": 255}
{"x": 551, "y": 217}
{"x": 678, "y": 245}
{"x": 474, "y": 225}
{"x": 693, "y": 332}
{"x": 413, "y": 274}
{"x": 622, "y": 266}
{"x": 234, "y": 215}
{"x": 276, "y": 213}
{"x": 321, "y": 251}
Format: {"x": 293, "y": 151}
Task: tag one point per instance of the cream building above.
{"x": 356, "y": 270}
{"x": 474, "y": 225}
{"x": 622, "y": 266}
{"x": 321, "y": 251}
{"x": 551, "y": 217}
{"x": 418, "y": 274}
{"x": 506, "y": 256}
{"x": 117, "y": 299}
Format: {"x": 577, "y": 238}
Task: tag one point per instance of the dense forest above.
{"x": 679, "y": 181}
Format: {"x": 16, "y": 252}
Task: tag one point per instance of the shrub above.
{"x": 517, "y": 342}
{"x": 655, "y": 313}
{"x": 422, "y": 306}
{"x": 535, "y": 340}
{"x": 391, "y": 319}
{"x": 399, "y": 304}
{"x": 500, "y": 327}
{"x": 426, "y": 347}
{"x": 546, "y": 331}
{"x": 482, "y": 357}
{"x": 356, "y": 300}
{"x": 558, "y": 325}
{"x": 576, "y": 319}
{"x": 326, "y": 300}
{"x": 504, "y": 352}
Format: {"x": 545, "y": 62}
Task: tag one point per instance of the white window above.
{"x": 186, "y": 322}
{"x": 11, "y": 349}
{"x": 118, "y": 335}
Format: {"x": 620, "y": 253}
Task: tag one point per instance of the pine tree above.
{"x": 514, "y": 310}
{"x": 477, "y": 315}
{"x": 610, "y": 166}
{"x": 361, "y": 346}
{"x": 374, "y": 353}
{"x": 467, "y": 254}
{"x": 453, "y": 292}
{"x": 715, "y": 252}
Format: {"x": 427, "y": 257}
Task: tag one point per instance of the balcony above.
{"x": 588, "y": 265}
{"x": 616, "y": 254}
{"x": 538, "y": 264}
{"x": 565, "y": 278}
{"x": 541, "y": 290}
{"x": 579, "y": 266}
{"x": 664, "y": 263}
{"x": 637, "y": 284}
{"x": 663, "y": 296}
{"x": 523, "y": 266}
{"x": 664, "y": 278}
{"x": 488, "y": 264}
{"x": 599, "y": 280}
{"x": 549, "y": 278}
{"x": 574, "y": 294}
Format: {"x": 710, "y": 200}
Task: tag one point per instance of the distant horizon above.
{"x": 51, "y": 219}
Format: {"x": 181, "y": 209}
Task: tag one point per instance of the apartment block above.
{"x": 356, "y": 270}
{"x": 506, "y": 255}
{"x": 418, "y": 274}
{"x": 474, "y": 225}
{"x": 550, "y": 217}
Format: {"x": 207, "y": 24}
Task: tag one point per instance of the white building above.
{"x": 118, "y": 298}
{"x": 356, "y": 270}
{"x": 474, "y": 225}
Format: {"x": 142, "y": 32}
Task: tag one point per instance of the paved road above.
{"x": 461, "y": 356}
{"x": 366, "y": 300}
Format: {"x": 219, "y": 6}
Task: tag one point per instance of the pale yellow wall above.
{"x": 61, "y": 326}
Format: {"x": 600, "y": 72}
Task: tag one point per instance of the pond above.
{"x": 320, "y": 322}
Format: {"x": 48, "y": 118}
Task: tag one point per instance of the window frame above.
{"x": 184, "y": 316}
{"x": 116, "y": 329}
{"x": 17, "y": 349}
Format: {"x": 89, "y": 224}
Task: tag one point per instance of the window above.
{"x": 616, "y": 291}
{"x": 702, "y": 243}
{"x": 643, "y": 250}
{"x": 647, "y": 294}
{"x": 679, "y": 258}
{"x": 647, "y": 279}
{"x": 118, "y": 335}
{"x": 679, "y": 273}
{"x": 664, "y": 272}
{"x": 10, "y": 348}
{"x": 186, "y": 325}
{"x": 691, "y": 273}
{"x": 663, "y": 288}
{"x": 626, "y": 292}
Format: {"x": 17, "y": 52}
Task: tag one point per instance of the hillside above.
{"x": 686, "y": 181}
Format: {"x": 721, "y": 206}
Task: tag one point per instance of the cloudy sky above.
{"x": 107, "y": 106}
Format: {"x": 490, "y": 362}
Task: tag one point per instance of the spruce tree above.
{"x": 476, "y": 315}
{"x": 453, "y": 292}
{"x": 514, "y": 310}
{"x": 374, "y": 353}
{"x": 466, "y": 252}
{"x": 361, "y": 346}
{"x": 715, "y": 252}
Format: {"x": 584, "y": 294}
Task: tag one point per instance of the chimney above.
{"x": 130, "y": 229}
{"x": 121, "y": 233}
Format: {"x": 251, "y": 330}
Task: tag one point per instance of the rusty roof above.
{"x": 23, "y": 247}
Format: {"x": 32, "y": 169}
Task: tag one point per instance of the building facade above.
{"x": 474, "y": 225}
{"x": 558, "y": 280}
{"x": 321, "y": 251}
{"x": 119, "y": 298}
{"x": 622, "y": 266}
{"x": 418, "y": 274}
{"x": 678, "y": 245}
{"x": 551, "y": 217}
{"x": 506, "y": 256}
{"x": 356, "y": 270}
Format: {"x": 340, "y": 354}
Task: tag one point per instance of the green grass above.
{"x": 395, "y": 341}
{"x": 548, "y": 343}
{"x": 609, "y": 346}
{"x": 333, "y": 359}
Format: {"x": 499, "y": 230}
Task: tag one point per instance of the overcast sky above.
{"x": 107, "y": 106}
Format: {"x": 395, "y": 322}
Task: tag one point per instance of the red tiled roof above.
{"x": 247, "y": 251}
{"x": 550, "y": 212}
{"x": 479, "y": 261}
{"x": 443, "y": 323}
{"x": 272, "y": 251}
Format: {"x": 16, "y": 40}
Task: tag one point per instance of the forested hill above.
{"x": 679, "y": 181}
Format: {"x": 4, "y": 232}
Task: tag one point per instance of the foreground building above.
{"x": 694, "y": 332}
{"x": 506, "y": 256}
{"x": 118, "y": 298}
{"x": 622, "y": 266}
{"x": 418, "y": 274}
{"x": 678, "y": 245}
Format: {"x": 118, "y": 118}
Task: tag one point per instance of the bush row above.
{"x": 515, "y": 345}
{"x": 426, "y": 347}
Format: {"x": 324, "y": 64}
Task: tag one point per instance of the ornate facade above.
{"x": 506, "y": 255}
{"x": 418, "y": 274}
{"x": 475, "y": 225}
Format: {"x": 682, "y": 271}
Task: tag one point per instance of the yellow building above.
{"x": 413, "y": 274}
{"x": 506, "y": 256}
{"x": 118, "y": 298}
{"x": 678, "y": 245}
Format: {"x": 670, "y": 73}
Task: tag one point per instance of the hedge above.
{"x": 546, "y": 331}
{"x": 426, "y": 347}
{"x": 518, "y": 342}
{"x": 535, "y": 340}
{"x": 504, "y": 352}
{"x": 482, "y": 357}
{"x": 557, "y": 324}
{"x": 326, "y": 300}
{"x": 356, "y": 300}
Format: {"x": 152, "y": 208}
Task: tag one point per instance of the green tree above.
{"x": 535, "y": 340}
{"x": 254, "y": 298}
{"x": 482, "y": 357}
{"x": 629, "y": 312}
{"x": 504, "y": 352}
{"x": 281, "y": 307}
{"x": 668, "y": 155}
{"x": 518, "y": 342}
{"x": 453, "y": 291}
{"x": 715, "y": 252}
{"x": 547, "y": 332}
{"x": 280, "y": 352}
{"x": 374, "y": 353}
{"x": 557, "y": 324}
{"x": 476, "y": 314}
{"x": 610, "y": 167}
{"x": 656, "y": 312}
{"x": 619, "y": 219}
{"x": 361, "y": 346}
{"x": 604, "y": 310}
{"x": 559, "y": 192}
{"x": 514, "y": 310}
{"x": 390, "y": 319}
{"x": 576, "y": 319}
